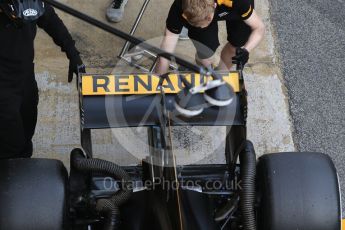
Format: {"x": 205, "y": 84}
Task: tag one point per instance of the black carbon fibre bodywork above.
{"x": 101, "y": 112}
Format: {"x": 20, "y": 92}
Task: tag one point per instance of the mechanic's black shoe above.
{"x": 221, "y": 95}
{"x": 188, "y": 104}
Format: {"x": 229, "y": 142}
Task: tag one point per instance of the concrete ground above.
{"x": 269, "y": 125}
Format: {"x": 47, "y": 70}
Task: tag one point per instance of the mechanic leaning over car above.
{"x": 18, "y": 88}
{"x": 245, "y": 30}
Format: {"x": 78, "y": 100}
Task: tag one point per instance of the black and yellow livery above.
{"x": 145, "y": 84}
{"x": 241, "y": 192}
{"x": 120, "y": 100}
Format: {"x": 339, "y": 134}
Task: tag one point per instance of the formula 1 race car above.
{"x": 281, "y": 191}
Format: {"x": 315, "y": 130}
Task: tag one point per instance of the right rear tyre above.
{"x": 298, "y": 191}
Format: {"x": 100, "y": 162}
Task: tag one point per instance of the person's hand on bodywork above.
{"x": 241, "y": 57}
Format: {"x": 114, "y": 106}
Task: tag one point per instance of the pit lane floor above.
{"x": 269, "y": 125}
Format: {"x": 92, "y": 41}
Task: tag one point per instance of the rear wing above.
{"x": 132, "y": 100}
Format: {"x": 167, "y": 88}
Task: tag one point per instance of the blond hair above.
{"x": 197, "y": 10}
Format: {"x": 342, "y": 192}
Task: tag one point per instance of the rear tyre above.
{"x": 298, "y": 191}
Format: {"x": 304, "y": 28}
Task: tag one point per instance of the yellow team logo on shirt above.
{"x": 227, "y": 3}
{"x": 247, "y": 13}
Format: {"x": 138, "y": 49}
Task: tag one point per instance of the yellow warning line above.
{"x": 343, "y": 224}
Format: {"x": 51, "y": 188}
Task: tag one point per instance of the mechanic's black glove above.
{"x": 242, "y": 56}
{"x": 75, "y": 66}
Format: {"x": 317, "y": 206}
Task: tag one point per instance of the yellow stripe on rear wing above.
{"x": 142, "y": 84}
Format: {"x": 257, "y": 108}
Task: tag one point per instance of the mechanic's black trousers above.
{"x": 18, "y": 111}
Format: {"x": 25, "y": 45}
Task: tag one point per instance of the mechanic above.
{"x": 18, "y": 88}
{"x": 245, "y": 30}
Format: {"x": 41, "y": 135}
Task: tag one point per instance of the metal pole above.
{"x": 125, "y": 36}
{"x": 135, "y": 26}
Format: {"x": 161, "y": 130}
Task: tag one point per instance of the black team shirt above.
{"x": 226, "y": 10}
